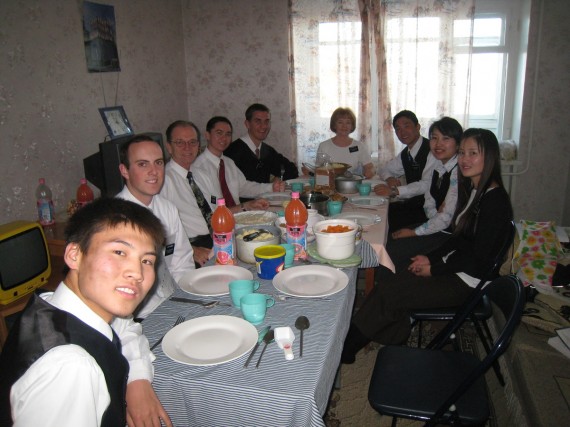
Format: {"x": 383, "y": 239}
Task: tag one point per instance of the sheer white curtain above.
{"x": 378, "y": 57}
{"x": 420, "y": 60}
{"x": 324, "y": 68}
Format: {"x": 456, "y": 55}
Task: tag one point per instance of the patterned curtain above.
{"x": 410, "y": 54}
{"x": 421, "y": 51}
{"x": 324, "y": 65}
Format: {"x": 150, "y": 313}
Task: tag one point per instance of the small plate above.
{"x": 276, "y": 199}
{"x": 212, "y": 281}
{"x": 373, "y": 182}
{"x": 367, "y": 201}
{"x": 366, "y": 220}
{"x": 352, "y": 261}
{"x": 209, "y": 340}
{"x": 304, "y": 181}
{"x": 310, "y": 281}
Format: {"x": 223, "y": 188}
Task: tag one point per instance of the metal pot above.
{"x": 348, "y": 184}
{"x": 315, "y": 200}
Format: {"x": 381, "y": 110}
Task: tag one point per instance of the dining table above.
{"x": 279, "y": 392}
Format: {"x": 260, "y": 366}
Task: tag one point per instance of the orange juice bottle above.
{"x": 223, "y": 224}
{"x": 296, "y": 216}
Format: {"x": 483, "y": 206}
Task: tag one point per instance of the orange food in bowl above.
{"x": 339, "y": 228}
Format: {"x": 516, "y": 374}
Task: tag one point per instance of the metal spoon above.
{"x": 267, "y": 339}
{"x": 302, "y": 323}
{"x": 205, "y": 304}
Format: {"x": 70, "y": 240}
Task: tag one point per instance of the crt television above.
{"x": 24, "y": 259}
{"x": 102, "y": 167}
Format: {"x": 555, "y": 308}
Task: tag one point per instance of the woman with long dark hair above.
{"x": 446, "y": 275}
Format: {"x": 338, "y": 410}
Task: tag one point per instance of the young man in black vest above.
{"x": 62, "y": 363}
{"x": 416, "y": 163}
{"x": 257, "y": 160}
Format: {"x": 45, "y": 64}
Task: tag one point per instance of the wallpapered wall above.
{"x": 49, "y": 118}
{"x": 195, "y": 59}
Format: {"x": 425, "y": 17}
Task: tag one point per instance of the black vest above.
{"x": 413, "y": 167}
{"x": 42, "y": 327}
{"x": 440, "y": 186}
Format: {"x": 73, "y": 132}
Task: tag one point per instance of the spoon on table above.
{"x": 268, "y": 338}
{"x": 302, "y": 323}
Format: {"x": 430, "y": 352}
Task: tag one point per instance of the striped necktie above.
{"x": 257, "y": 153}
{"x": 200, "y": 200}
{"x": 230, "y": 203}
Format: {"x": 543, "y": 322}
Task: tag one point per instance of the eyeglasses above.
{"x": 182, "y": 143}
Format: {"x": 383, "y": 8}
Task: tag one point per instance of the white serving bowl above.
{"x": 245, "y": 249}
{"x": 335, "y": 246}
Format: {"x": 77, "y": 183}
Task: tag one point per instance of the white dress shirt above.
{"x": 177, "y": 189}
{"x": 66, "y": 386}
{"x": 439, "y": 221}
{"x": 395, "y": 168}
{"x": 205, "y": 170}
{"x": 247, "y": 139}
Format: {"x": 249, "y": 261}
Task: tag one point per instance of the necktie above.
{"x": 200, "y": 200}
{"x": 257, "y": 153}
{"x": 225, "y": 190}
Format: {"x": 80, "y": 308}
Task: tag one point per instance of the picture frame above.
{"x": 116, "y": 121}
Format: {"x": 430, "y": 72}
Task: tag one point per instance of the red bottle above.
{"x": 223, "y": 224}
{"x": 84, "y": 194}
{"x": 296, "y": 216}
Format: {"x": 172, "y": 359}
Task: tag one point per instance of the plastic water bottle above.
{"x": 296, "y": 216}
{"x": 223, "y": 224}
{"x": 84, "y": 193}
{"x": 46, "y": 215}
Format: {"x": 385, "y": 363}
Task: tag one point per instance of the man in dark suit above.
{"x": 253, "y": 156}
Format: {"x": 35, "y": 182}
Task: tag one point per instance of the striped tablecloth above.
{"x": 279, "y": 393}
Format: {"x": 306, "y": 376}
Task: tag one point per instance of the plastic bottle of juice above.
{"x": 296, "y": 216}
{"x": 223, "y": 224}
{"x": 84, "y": 193}
{"x": 46, "y": 215}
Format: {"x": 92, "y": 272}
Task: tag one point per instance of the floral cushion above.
{"x": 538, "y": 253}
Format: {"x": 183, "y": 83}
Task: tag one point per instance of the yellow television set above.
{"x": 25, "y": 263}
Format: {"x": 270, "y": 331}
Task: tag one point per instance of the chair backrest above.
{"x": 475, "y": 296}
{"x": 507, "y": 293}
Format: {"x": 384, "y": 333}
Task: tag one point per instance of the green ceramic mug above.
{"x": 239, "y": 288}
{"x": 254, "y": 307}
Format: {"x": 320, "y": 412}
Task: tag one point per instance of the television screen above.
{"x": 102, "y": 168}
{"x": 24, "y": 259}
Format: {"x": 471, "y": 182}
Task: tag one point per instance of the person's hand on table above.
{"x": 420, "y": 266}
{"x": 278, "y": 185}
{"x": 382, "y": 190}
{"x": 257, "y": 204}
{"x": 201, "y": 255}
{"x": 143, "y": 407}
{"x": 403, "y": 233}
{"x": 393, "y": 182}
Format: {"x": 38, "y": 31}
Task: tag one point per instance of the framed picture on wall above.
{"x": 116, "y": 121}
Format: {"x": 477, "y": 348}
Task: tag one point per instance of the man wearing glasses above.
{"x": 253, "y": 156}
{"x": 180, "y": 187}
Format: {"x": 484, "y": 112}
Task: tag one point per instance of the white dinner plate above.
{"x": 366, "y": 220}
{"x": 212, "y": 281}
{"x": 367, "y": 200}
{"x": 209, "y": 340}
{"x": 310, "y": 281}
{"x": 276, "y": 199}
{"x": 304, "y": 181}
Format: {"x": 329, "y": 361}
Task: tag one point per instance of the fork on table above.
{"x": 178, "y": 321}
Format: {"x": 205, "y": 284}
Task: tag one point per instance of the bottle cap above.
{"x": 42, "y": 181}
{"x": 295, "y": 195}
{"x": 221, "y": 202}
{"x": 83, "y": 181}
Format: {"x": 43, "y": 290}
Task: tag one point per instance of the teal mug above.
{"x": 334, "y": 207}
{"x": 254, "y": 307}
{"x": 240, "y": 288}
{"x": 289, "y": 254}
{"x": 364, "y": 189}
{"x": 297, "y": 187}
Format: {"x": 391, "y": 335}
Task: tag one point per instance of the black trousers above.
{"x": 384, "y": 316}
{"x": 402, "y": 250}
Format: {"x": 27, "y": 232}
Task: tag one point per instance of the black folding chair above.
{"x": 445, "y": 387}
{"x": 482, "y": 311}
